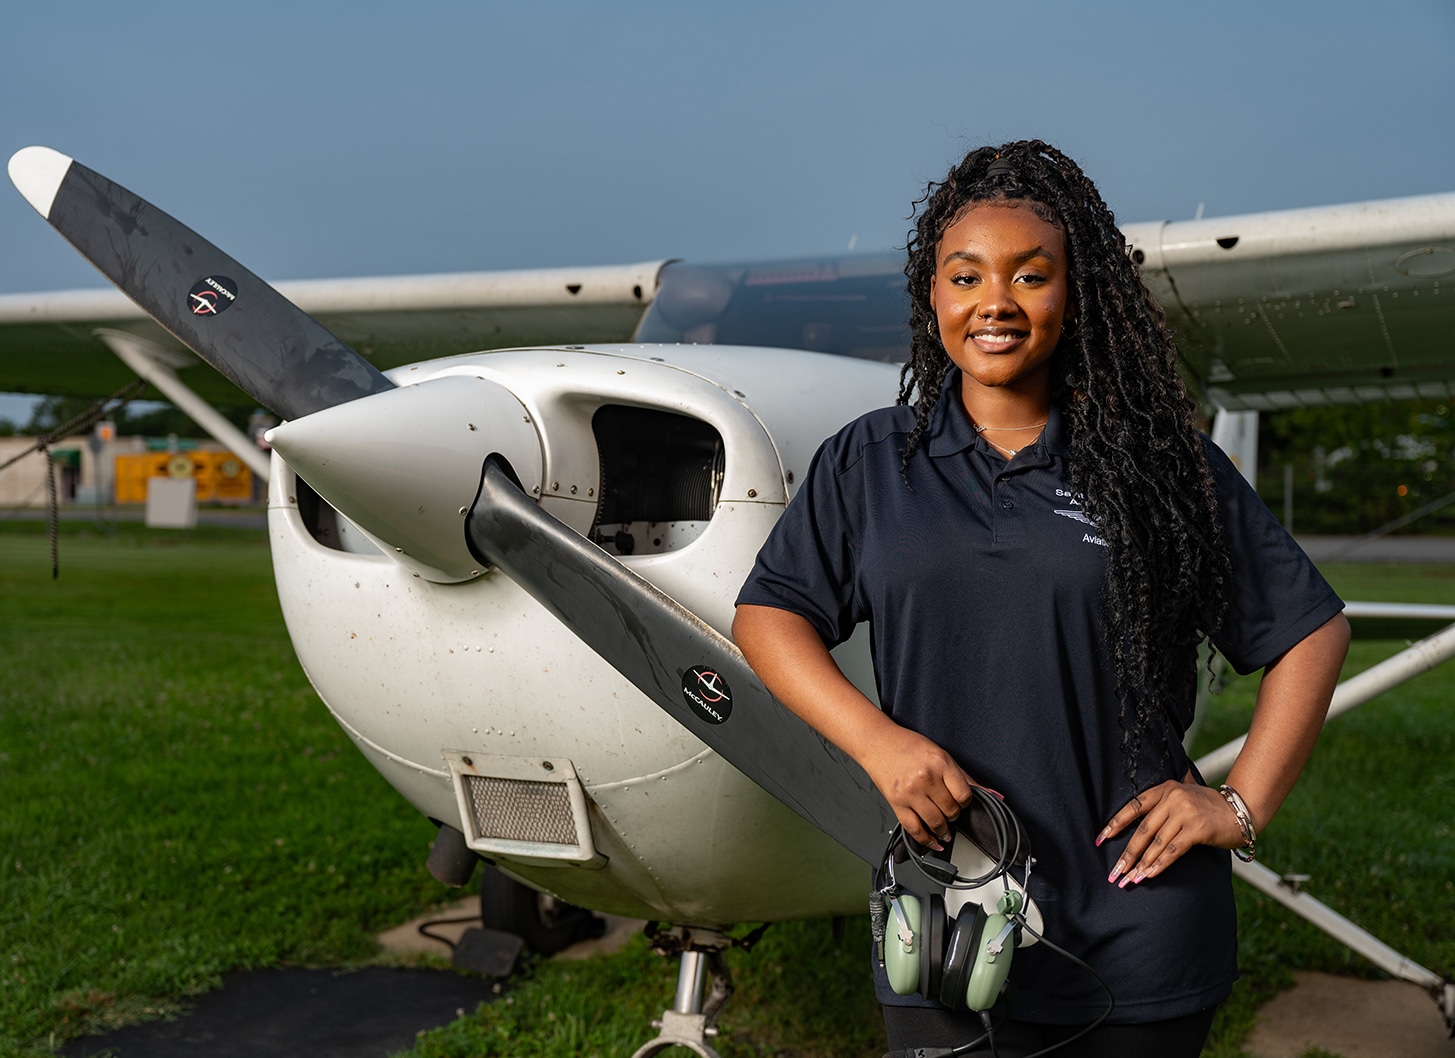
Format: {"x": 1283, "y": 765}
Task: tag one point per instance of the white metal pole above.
{"x": 1339, "y": 927}
{"x": 1355, "y": 691}
{"x": 1408, "y": 663}
{"x": 691, "y": 976}
{"x": 145, "y": 359}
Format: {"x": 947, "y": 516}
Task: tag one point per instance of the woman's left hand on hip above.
{"x": 1174, "y": 816}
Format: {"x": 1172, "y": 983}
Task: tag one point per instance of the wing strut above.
{"x": 150, "y": 362}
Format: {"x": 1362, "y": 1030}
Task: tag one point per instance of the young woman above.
{"x": 1040, "y": 537}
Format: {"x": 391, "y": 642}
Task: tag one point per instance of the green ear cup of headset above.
{"x": 987, "y": 971}
{"x": 901, "y": 960}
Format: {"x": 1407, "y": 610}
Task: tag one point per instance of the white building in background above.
{"x": 86, "y": 471}
{"x": 72, "y": 463}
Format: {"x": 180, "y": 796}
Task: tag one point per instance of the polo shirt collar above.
{"x": 950, "y": 430}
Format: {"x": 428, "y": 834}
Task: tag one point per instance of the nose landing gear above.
{"x": 703, "y": 987}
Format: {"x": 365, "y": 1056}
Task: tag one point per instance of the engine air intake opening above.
{"x": 320, "y": 519}
{"x": 327, "y": 526}
{"x": 661, "y": 474}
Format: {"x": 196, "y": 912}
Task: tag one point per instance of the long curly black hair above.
{"x": 1136, "y": 457}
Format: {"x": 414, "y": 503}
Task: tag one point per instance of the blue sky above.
{"x": 330, "y": 138}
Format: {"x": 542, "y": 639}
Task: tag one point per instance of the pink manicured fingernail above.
{"x": 1123, "y": 883}
{"x": 1138, "y": 876}
{"x": 936, "y": 845}
{"x": 1115, "y": 871}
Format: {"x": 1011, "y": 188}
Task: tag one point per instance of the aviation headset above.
{"x": 965, "y": 963}
{"x": 961, "y": 962}
{"x": 965, "y": 969}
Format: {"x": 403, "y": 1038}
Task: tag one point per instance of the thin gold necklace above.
{"x": 1010, "y": 453}
{"x": 1011, "y": 429}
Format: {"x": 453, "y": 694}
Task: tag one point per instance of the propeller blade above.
{"x": 689, "y": 669}
{"x": 271, "y": 349}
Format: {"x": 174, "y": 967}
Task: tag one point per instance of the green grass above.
{"x": 799, "y": 992}
{"x": 1370, "y": 819}
{"x": 177, "y": 803}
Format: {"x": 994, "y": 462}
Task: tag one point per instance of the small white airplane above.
{"x": 509, "y": 575}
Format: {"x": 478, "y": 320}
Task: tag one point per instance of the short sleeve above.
{"x": 1277, "y": 596}
{"x": 807, "y": 565}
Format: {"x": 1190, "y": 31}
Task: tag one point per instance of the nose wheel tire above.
{"x": 545, "y": 924}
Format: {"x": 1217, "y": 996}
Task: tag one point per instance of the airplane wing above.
{"x": 48, "y": 342}
{"x": 1333, "y": 305}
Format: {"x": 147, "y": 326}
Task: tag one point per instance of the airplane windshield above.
{"x": 849, "y": 306}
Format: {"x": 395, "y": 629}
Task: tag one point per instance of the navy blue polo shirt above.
{"x": 982, "y": 581}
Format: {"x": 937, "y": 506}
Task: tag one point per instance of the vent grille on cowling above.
{"x": 521, "y": 810}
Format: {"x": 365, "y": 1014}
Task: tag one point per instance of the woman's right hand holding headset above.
{"x": 924, "y": 785}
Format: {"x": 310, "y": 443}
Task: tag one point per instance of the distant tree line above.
{"x": 1358, "y": 468}
{"x": 147, "y": 420}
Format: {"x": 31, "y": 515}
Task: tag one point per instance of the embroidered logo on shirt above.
{"x": 1078, "y": 516}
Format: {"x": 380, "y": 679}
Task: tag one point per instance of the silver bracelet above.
{"x": 1245, "y": 823}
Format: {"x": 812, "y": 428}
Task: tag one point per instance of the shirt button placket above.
{"x": 1007, "y": 529}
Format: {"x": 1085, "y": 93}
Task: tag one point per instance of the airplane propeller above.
{"x": 286, "y": 360}
{"x": 267, "y": 346}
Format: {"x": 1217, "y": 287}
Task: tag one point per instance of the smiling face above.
{"x": 1000, "y": 294}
